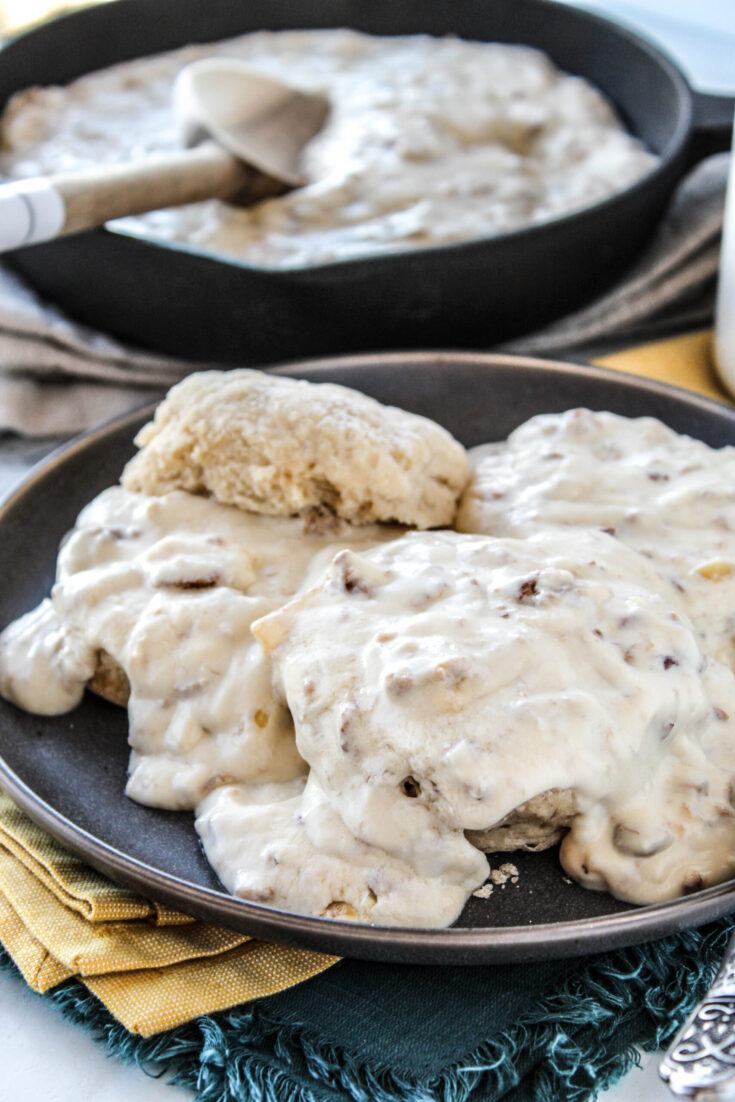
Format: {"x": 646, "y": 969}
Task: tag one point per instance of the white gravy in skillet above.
{"x": 429, "y": 141}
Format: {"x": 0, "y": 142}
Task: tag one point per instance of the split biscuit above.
{"x": 110, "y": 680}
{"x": 283, "y": 446}
{"x": 537, "y": 824}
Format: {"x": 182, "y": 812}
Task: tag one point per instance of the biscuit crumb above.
{"x": 503, "y": 874}
{"x": 497, "y": 878}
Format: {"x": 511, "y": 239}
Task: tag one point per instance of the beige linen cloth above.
{"x": 58, "y": 377}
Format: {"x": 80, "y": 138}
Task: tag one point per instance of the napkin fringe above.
{"x": 577, "y": 1041}
{"x": 581, "y": 1039}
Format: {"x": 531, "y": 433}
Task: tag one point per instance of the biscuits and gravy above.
{"x": 355, "y": 711}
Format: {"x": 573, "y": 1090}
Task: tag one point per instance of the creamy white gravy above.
{"x": 669, "y": 497}
{"x": 169, "y": 587}
{"x": 456, "y": 677}
{"x": 429, "y": 141}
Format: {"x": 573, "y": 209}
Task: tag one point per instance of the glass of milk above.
{"x": 725, "y": 309}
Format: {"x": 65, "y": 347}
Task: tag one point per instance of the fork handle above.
{"x": 700, "y": 1063}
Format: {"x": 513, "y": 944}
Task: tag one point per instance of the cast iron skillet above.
{"x": 68, "y": 772}
{"x": 181, "y": 301}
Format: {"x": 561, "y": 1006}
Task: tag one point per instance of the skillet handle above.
{"x": 700, "y": 1063}
{"x": 711, "y": 125}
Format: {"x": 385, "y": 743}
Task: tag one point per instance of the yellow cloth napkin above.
{"x": 684, "y": 361}
{"x": 153, "y": 968}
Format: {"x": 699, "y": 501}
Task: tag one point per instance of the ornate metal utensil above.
{"x": 700, "y": 1064}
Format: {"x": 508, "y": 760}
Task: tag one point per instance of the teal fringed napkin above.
{"x": 553, "y": 1032}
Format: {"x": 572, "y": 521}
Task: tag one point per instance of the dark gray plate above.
{"x": 68, "y": 771}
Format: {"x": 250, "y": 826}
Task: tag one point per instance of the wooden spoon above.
{"x": 247, "y": 131}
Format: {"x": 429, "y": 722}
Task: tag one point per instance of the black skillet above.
{"x": 182, "y": 301}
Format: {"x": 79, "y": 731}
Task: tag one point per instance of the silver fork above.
{"x": 700, "y": 1063}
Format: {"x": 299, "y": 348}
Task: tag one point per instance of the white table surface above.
{"x": 45, "y": 1057}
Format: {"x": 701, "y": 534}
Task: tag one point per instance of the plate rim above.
{"x": 446, "y": 945}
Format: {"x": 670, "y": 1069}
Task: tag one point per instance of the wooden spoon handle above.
{"x": 41, "y": 209}
{"x": 94, "y": 195}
